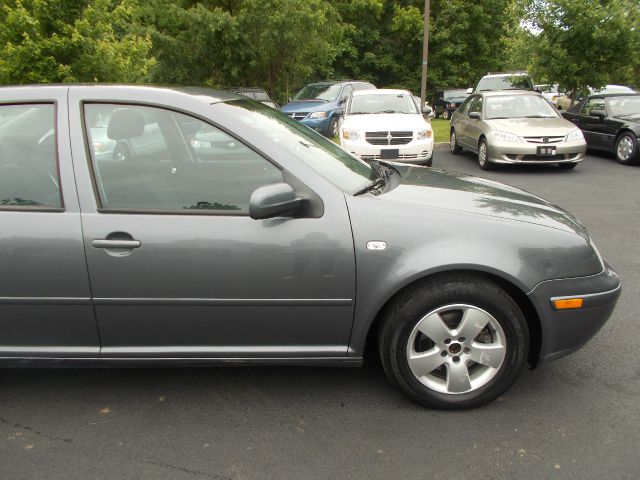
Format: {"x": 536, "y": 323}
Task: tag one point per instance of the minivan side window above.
{"x": 464, "y": 108}
{"x": 28, "y": 160}
{"x": 153, "y": 159}
{"x": 476, "y": 106}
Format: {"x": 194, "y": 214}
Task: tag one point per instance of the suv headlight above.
{"x": 352, "y": 135}
{"x": 575, "y": 135}
{"x": 505, "y": 136}
{"x": 424, "y": 134}
{"x": 318, "y": 115}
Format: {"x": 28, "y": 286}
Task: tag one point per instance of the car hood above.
{"x": 385, "y": 121}
{"x": 533, "y": 127}
{"x": 435, "y": 188}
{"x": 307, "y": 106}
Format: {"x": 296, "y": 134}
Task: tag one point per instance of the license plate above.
{"x": 546, "y": 151}
{"x": 390, "y": 153}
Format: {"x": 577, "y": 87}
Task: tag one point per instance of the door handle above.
{"x": 116, "y": 243}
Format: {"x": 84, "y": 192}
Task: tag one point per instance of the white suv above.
{"x": 386, "y": 124}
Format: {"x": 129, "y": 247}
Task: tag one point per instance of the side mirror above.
{"x": 475, "y": 115}
{"x": 275, "y": 200}
{"x": 427, "y": 110}
{"x": 469, "y": 90}
{"x": 598, "y": 113}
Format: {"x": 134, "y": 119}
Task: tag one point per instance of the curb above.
{"x": 440, "y": 146}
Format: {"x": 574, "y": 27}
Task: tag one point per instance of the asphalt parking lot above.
{"x": 578, "y": 417}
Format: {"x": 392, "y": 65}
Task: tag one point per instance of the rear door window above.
{"x": 28, "y": 159}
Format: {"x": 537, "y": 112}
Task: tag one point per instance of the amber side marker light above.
{"x": 567, "y": 303}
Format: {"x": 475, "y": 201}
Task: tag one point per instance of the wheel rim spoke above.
{"x": 433, "y": 327}
{"x": 425, "y": 362}
{"x": 472, "y": 323}
{"x": 490, "y": 355}
{"x": 458, "y": 380}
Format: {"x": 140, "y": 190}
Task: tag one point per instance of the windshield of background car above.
{"x": 455, "y": 94}
{"x": 623, "y": 106}
{"x": 338, "y": 166}
{"x": 518, "y": 106}
{"x": 327, "y": 92}
{"x": 512, "y": 82}
{"x": 382, "y": 103}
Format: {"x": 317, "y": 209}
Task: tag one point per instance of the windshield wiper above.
{"x": 379, "y": 183}
{"x": 539, "y": 116}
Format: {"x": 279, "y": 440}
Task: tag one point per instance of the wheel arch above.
{"x": 517, "y": 294}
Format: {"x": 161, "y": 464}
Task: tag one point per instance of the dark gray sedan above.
{"x": 245, "y": 237}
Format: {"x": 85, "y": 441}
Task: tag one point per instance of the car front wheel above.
{"x": 483, "y": 156}
{"x": 627, "y": 149}
{"x": 453, "y": 143}
{"x": 453, "y": 343}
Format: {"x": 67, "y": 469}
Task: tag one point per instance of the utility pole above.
{"x": 425, "y": 52}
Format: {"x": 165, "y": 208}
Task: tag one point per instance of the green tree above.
{"x": 580, "y": 43}
{"x": 71, "y": 41}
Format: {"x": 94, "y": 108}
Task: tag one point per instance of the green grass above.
{"x": 440, "y": 129}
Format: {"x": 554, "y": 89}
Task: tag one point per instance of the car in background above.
{"x": 564, "y": 102}
{"x": 503, "y": 81}
{"x": 445, "y": 102}
{"x": 610, "y": 123}
{"x": 320, "y": 105}
{"x": 386, "y": 124}
{"x": 256, "y": 93}
{"x": 515, "y": 127}
{"x": 549, "y": 91}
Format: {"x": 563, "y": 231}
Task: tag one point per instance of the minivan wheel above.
{"x": 627, "y": 149}
{"x": 483, "y": 156}
{"x": 332, "y": 130}
{"x": 453, "y": 143}
{"x": 453, "y": 343}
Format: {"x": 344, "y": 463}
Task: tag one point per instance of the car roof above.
{"x": 382, "y": 91}
{"x": 207, "y": 95}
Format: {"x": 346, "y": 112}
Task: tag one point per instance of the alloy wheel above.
{"x": 624, "y": 149}
{"x": 456, "y": 349}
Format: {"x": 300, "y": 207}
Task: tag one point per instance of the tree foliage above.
{"x": 283, "y": 44}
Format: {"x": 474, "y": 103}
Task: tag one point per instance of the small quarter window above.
{"x": 28, "y": 160}
{"x": 147, "y": 158}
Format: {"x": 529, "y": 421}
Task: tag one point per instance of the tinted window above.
{"x": 592, "y": 104}
{"x": 464, "y": 108}
{"x": 476, "y": 106}
{"x": 147, "y": 158}
{"x": 319, "y": 91}
{"x": 28, "y": 162}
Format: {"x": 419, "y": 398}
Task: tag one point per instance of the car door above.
{"x": 45, "y": 307}
{"x": 462, "y": 119}
{"x": 472, "y": 130}
{"x": 177, "y": 266}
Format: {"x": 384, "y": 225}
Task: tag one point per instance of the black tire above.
{"x": 332, "y": 129}
{"x": 453, "y": 143}
{"x": 567, "y": 166}
{"x": 429, "y": 162}
{"x": 401, "y": 317}
{"x": 483, "y": 156}
{"x": 630, "y": 154}
{"x": 445, "y": 114}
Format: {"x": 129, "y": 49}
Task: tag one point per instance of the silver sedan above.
{"x": 515, "y": 127}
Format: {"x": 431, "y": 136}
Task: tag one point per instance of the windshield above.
{"x": 327, "y": 92}
{"x": 511, "y": 82}
{"x": 339, "y": 167}
{"x": 623, "y": 106}
{"x": 382, "y": 103}
{"x": 455, "y": 94}
{"x": 518, "y": 106}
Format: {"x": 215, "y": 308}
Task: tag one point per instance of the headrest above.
{"x": 125, "y": 124}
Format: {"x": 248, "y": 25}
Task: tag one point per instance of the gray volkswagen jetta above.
{"x": 225, "y": 232}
